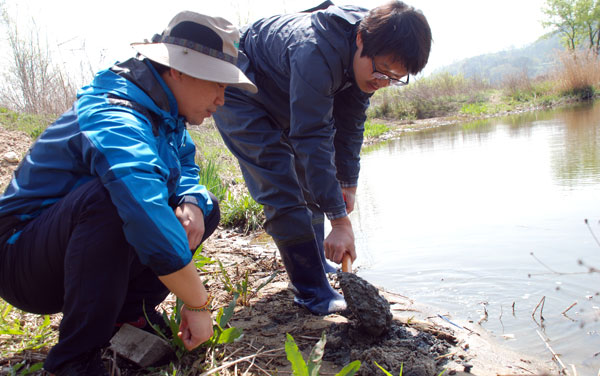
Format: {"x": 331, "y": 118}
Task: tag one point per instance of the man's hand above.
{"x": 195, "y": 328}
{"x": 340, "y": 240}
{"x": 192, "y": 220}
{"x": 350, "y": 198}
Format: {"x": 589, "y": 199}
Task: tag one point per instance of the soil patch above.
{"x": 13, "y": 146}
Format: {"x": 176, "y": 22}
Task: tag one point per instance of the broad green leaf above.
{"x": 295, "y": 357}
{"x": 350, "y": 369}
{"x": 316, "y": 356}
{"x": 229, "y": 335}
{"x": 228, "y": 312}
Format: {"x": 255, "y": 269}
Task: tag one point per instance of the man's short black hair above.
{"x": 398, "y": 30}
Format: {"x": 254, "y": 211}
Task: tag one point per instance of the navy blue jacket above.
{"x": 125, "y": 130}
{"x": 302, "y": 65}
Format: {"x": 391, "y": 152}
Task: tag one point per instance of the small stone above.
{"x": 11, "y": 157}
{"x": 140, "y": 347}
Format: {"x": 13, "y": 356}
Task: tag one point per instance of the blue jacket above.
{"x": 302, "y": 65}
{"x": 125, "y": 130}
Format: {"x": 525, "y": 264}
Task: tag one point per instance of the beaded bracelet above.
{"x": 203, "y": 308}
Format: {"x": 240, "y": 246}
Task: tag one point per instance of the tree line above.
{"x": 577, "y": 21}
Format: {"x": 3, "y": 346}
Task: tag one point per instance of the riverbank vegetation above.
{"x": 576, "y": 77}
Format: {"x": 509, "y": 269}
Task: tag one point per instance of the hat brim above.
{"x": 196, "y": 64}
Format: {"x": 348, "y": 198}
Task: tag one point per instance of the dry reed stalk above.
{"x": 542, "y": 301}
{"x": 554, "y": 354}
{"x": 571, "y": 306}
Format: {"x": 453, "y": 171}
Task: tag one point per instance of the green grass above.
{"x": 374, "y": 130}
{"x": 27, "y": 331}
{"x": 210, "y": 178}
{"x": 242, "y": 212}
{"x": 33, "y": 125}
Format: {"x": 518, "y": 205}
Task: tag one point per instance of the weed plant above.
{"x": 312, "y": 365}
{"x": 243, "y": 213}
{"x": 241, "y": 289}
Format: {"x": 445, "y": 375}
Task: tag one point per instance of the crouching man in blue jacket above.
{"x": 298, "y": 139}
{"x": 103, "y": 215}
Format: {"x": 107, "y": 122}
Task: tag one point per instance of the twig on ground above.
{"x": 249, "y": 367}
{"x": 262, "y": 370}
{"x": 554, "y": 354}
{"x": 571, "y": 306}
{"x": 232, "y": 354}
{"x": 309, "y": 337}
{"x": 449, "y": 355}
{"x": 243, "y": 359}
{"x": 234, "y": 362}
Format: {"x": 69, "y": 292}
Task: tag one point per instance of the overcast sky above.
{"x": 461, "y": 28}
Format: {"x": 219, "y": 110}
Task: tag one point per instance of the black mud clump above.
{"x": 371, "y": 335}
{"x": 371, "y": 310}
{"x": 419, "y": 354}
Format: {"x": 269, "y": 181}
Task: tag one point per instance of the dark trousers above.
{"x": 74, "y": 259}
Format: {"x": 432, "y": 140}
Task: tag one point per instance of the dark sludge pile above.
{"x": 373, "y": 336}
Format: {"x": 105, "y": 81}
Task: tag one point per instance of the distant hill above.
{"x": 534, "y": 59}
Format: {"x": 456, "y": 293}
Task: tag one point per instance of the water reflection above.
{"x": 469, "y": 214}
{"x": 576, "y": 155}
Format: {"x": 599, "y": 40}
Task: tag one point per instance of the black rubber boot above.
{"x": 305, "y": 270}
{"x": 319, "y": 229}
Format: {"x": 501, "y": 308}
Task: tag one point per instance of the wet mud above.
{"x": 416, "y": 353}
{"x": 372, "y": 336}
{"x": 369, "y": 308}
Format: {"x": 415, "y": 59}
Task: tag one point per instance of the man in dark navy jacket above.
{"x": 298, "y": 139}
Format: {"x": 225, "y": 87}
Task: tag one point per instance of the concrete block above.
{"x": 139, "y": 346}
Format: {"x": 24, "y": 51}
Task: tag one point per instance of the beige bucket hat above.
{"x": 200, "y": 46}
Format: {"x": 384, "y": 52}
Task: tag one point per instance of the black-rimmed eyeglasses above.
{"x": 382, "y": 76}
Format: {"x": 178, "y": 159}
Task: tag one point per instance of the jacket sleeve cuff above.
{"x": 347, "y": 184}
{"x": 190, "y": 199}
{"x": 336, "y": 214}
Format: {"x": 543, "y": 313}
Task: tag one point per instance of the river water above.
{"x": 490, "y": 216}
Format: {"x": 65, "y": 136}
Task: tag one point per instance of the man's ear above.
{"x": 359, "y": 42}
{"x": 175, "y": 74}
